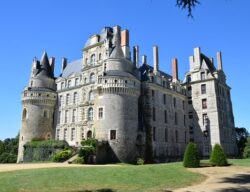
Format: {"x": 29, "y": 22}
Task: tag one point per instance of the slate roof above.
{"x": 44, "y": 69}
{"x": 73, "y": 67}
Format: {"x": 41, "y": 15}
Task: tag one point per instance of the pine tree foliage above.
{"x": 191, "y": 156}
{"x": 187, "y": 4}
{"x": 218, "y": 157}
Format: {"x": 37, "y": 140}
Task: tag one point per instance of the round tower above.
{"x": 38, "y": 104}
{"x": 117, "y": 105}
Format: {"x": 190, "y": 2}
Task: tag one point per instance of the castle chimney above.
{"x": 219, "y": 61}
{"x": 64, "y": 64}
{"x": 125, "y": 43}
{"x": 156, "y": 59}
{"x": 175, "y": 69}
{"x": 52, "y": 63}
{"x": 136, "y": 56}
{"x": 125, "y": 38}
{"x": 144, "y": 59}
{"x": 197, "y": 57}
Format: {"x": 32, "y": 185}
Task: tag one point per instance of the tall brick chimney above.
{"x": 64, "y": 64}
{"x": 156, "y": 59}
{"x": 136, "y": 56}
{"x": 125, "y": 43}
{"x": 175, "y": 69}
{"x": 219, "y": 61}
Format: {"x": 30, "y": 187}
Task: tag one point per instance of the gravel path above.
{"x": 15, "y": 167}
{"x": 221, "y": 179}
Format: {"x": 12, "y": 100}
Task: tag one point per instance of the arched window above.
{"x": 90, "y": 114}
{"x": 85, "y": 80}
{"x": 89, "y": 134}
{"x": 91, "y": 96}
{"x": 92, "y": 59}
{"x": 92, "y": 78}
{"x": 24, "y": 116}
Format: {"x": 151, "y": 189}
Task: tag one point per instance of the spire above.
{"x": 117, "y": 50}
{"x": 45, "y": 68}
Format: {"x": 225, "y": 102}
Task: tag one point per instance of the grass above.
{"x": 148, "y": 178}
{"x": 240, "y": 162}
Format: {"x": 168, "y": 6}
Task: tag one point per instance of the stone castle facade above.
{"x": 132, "y": 109}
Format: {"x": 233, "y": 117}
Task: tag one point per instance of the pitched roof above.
{"x": 73, "y": 67}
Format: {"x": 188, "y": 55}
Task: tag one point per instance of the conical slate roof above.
{"x": 45, "y": 68}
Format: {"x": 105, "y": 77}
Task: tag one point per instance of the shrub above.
{"x": 246, "y": 152}
{"x": 140, "y": 161}
{"x": 8, "y": 158}
{"x": 89, "y": 142}
{"x": 62, "y": 156}
{"x": 191, "y": 156}
{"x": 218, "y": 157}
{"x": 79, "y": 160}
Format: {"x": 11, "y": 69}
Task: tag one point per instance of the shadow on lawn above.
{"x": 240, "y": 179}
{"x": 98, "y": 190}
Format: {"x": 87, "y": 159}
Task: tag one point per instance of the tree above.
{"x": 187, "y": 4}
{"x": 241, "y": 139}
{"x": 246, "y": 152}
{"x": 218, "y": 157}
{"x": 191, "y": 156}
{"x": 9, "y": 150}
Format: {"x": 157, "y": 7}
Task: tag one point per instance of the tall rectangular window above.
{"x": 203, "y": 89}
{"x": 190, "y": 100}
{"x": 77, "y": 82}
{"x": 74, "y": 115}
{"x": 69, "y": 83}
{"x": 203, "y": 76}
{"x": 65, "y": 134}
{"x": 153, "y": 94}
{"x": 204, "y": 103}
{"x": 73, "y": 134}
{"x": 66, "y": 116}
{"x": 62, "y": 85}
{"x": 154, "y": 133}
{"x": 184, "y": 120}
{"x": 190, "y": 115}
{"x": 176, "y": 136}
{"x": 154, "y": 114}
{"x": 75, "y": 98}
{"x": 175, "y": 118}
{"x": 183, "y": 105}
{"x": 166, "y": 135}
{"x": 60, "y": 100}
{"x": 67, "y": 99}
{"x": 204, "y": 119}
{"x": 59, "y": 118}
{"x": 112, "y": 134}
{"x": 165, "y": 116}
{"x": 164, "y": 99}
{"x": 100, "y": 113}
{"x": 174, "y": 101}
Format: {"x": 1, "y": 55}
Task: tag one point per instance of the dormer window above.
{"x": 202, "y": 75}
{"x": 189, "y": 78}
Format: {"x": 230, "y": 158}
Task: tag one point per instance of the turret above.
{"x": 38, "y": 102}
{"x": 118, "y": 88}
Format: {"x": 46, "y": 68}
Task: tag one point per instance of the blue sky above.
{"x": 61, "y": 28}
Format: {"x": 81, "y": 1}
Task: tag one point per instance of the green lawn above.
{"x": 240, "y": 162}
{"x": 149, "y": 178}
